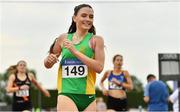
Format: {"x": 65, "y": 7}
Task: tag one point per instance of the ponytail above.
{"x": 12, "y": 69}
{"x": 52, "y": 46}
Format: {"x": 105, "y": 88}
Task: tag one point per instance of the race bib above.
{"x": 74, "y": 69}
{"x": 114, "y": 86}
{"x": 22, "y": 93}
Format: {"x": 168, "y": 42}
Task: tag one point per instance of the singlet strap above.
{"x": 111, "y": 72}
{"x": 88, "y": 36}
{"x": 122, "y": 73}
{"x": 27, "y": 77}
{"x": 16, "y": 76}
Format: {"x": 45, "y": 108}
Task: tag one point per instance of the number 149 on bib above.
{"x": 74, "y": 71}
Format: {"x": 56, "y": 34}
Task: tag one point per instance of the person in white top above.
{"x": 174, "y": 99}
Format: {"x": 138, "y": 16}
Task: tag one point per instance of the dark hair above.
{"x": 72, "y": 28}
{"x": 117, "y": 55}
{"x": 150, "y": 76}
{"x": 51, "y": 47}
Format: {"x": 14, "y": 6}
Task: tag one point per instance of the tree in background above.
{"x": 3, "y": 95}
{"x": 135, "y": 97}
{"x": 138, "y": 86}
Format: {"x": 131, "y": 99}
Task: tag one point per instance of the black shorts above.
{"x": 117, "y": 104}
{"x": 22, "y": 106}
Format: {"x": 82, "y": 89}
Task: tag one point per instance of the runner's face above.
{"x": 151, "y": 79}
{"x": 118, "y": 61}
{"x": 21, "y": 67}
{"x": 84, "y": 18}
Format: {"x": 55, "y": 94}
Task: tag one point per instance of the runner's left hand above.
{"x": 116, "y": 81}
{"x": 68, "y": 45}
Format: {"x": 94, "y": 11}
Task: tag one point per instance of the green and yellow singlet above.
{"x": 73, "y": 75}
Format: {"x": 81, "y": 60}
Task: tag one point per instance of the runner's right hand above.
{"x": 52, "y": 59}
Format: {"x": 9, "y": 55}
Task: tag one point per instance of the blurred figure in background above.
{"x": 156, "y": 94}
{"x": 173, "y": 98}
{"x": 19, "y": 83}
{"x": 100, "y": 105}
{"x": 119, "y": 81}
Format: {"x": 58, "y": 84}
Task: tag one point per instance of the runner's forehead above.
{"x": 21, "y": 63}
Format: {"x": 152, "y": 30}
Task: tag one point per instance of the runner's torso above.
{"x": 115, "y": 90}
{"x": 22, "y": 96}
{"x": 74, "y": 76}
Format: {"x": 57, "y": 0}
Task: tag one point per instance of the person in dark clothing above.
{"x": 119, "y": 81}
{"x": 19, "y": 83}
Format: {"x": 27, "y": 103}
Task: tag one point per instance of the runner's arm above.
{"x": 103, "y": 79}
{"x": 52, "y": 58}
{"x": 34, "y": 81}
{"x": 10, "y": 82}
{"x": 128, "y": 85}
